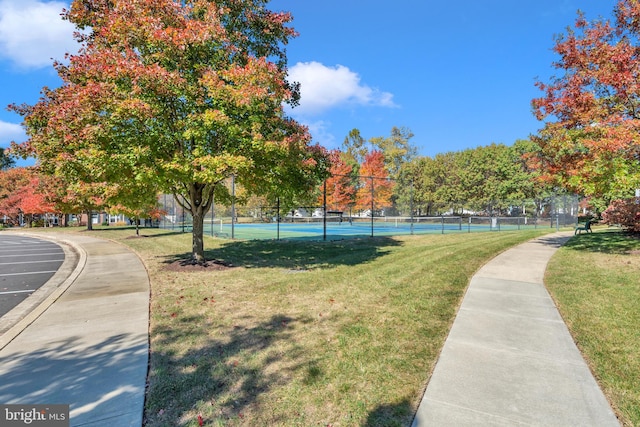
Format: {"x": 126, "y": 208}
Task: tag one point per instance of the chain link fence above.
{"x": 374, "y": 209}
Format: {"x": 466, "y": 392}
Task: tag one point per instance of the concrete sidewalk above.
{"x": 509, "y": 358}
{"x": 86, "y": 343}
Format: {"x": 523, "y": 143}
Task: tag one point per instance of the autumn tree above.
{"x": 375, "y": 188}
{"x": 591, "y": 139}
{"x": 179, "y": 94}
{"x": 33, "y": 201}
{"x": 340, "y": 185}
{"x": 23, "y": 191}
{"x": 10, "y": 181}
{"x": 396, "y": 149}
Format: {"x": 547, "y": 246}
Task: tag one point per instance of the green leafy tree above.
{"x": 354, "y": 147}
{"x": 398, "y": 152}
{"x": 178, "y": 95}
{"x": 134, "y": 201}
{"x": 425, "y": 184}
{"x": 6, "y": 161}
{"x": 449, "y": 193}
{"x": 486, "y": 178}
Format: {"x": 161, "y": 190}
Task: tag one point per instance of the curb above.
{"x": 25, "y": 313}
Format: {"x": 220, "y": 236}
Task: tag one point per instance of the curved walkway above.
{"x": 509, "y": 358}
{"x": 86, "y": 342}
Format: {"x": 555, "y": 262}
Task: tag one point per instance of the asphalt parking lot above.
{"x": 25, "y": 265}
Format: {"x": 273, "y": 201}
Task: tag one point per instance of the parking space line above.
{"x": 17, "y": 292}
{"x": 30, "y": 262}
{"x": 31, "y": 272}
{"x": 4, "y": 253}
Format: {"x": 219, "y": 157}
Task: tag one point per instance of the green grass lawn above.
{"x": 595, "y": 281}
{"x": 303, "y": 333}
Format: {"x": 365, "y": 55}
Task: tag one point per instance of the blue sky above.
{"x": 457, "y": 74}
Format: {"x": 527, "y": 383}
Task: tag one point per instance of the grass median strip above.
{"x": 595, "y": 281}
{"x": 302, "y": 333}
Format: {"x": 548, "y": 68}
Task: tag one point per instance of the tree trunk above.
{"x": 89, "y": 220}
{"x": 197, "y": 201}
{"x": 197, "y": 246}
{"x": 200, "y": 198}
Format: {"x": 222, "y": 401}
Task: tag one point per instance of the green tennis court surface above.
{"x": 316, "y": 228}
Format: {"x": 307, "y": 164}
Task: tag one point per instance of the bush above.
{"x": 626, "y": 213}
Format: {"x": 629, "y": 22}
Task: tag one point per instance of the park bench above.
{"x": 586, "y": 228}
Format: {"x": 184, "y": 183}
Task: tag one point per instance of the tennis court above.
{"x": 332, "y": 222}
{"x": 336, "y": 228}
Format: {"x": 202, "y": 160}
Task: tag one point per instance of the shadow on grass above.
{"x": 223, "y": 377}
{"x": 605, "y": 241}
{"x": 297, "y": 255}
{"x": 391, "y": 415}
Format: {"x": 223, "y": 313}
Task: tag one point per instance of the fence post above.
{"x": 372, "y": 205}
{"x": 233, "y": 205}
{"x": 212, "y": 207}
{"x": 324, "y": 214}
{"x": 411, "y": 206}
{"x": 183, "y": 216}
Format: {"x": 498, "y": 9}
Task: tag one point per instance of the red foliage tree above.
{"x": 10, "y": 180}
{"x": 625, "y": 213}
{"x": 340, "y": 186}
{"x": 375, "y": 187}
{"x": 24, "y": 191}
{"x": 591, "y": 143}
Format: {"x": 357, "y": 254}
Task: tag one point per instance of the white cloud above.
{"x": 32, "y": 32}
{"x": 323, "y": 88}
{"x": 321, "y": 135}
{"x": 11, "y": 132}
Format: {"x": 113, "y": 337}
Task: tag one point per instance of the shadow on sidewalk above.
{"x": 97, "y": 381}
